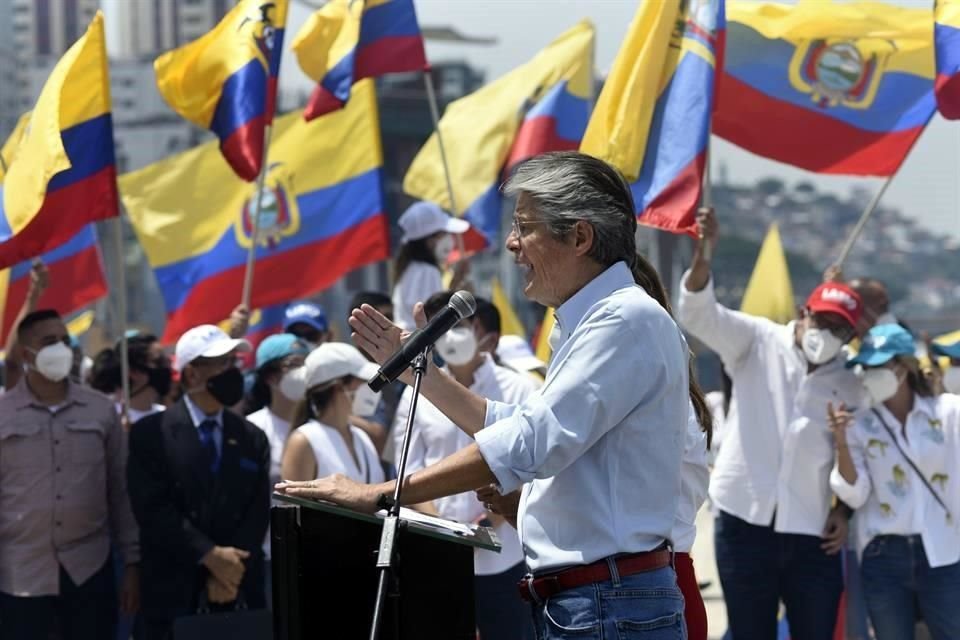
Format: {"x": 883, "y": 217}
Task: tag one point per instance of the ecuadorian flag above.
{"x": 322, "y": 215}
{"x": 61, "y": 173}
{"x": 541, "y": 106}
{"x": 652, "y": 120}
{"x": 347, "y": 41}
{"x": 946, "y": 37}
{"x": 827, "y": 87}
{"x": 226, "y": 81}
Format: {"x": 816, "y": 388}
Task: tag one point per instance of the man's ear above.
{"x": 583, "y": 237}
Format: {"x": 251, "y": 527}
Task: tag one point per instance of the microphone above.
{"x": 462, "y": 305}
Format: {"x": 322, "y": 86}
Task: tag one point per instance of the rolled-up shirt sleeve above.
{"x": 855, "y": 495}
{"x": 728, "y": 333}
{"x": 592, "y": 387}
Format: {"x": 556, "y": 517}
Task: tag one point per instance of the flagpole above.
{"x": 255, "y": 234}
{"x": 706, "y": 199}
{"x": 122, "y": 314}
{"x": 435, "y": 114}
{"x": 861, "y": 223}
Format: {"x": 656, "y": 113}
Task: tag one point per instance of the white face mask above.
{"x": 54, "y": 361}
{"x": 457, "y": 346}
{"x": 819, "y": 345}
{"x": 951, "y": 380}
{"x": 365, "y": 401}
{"x": 293, "y": 384}
{"x": 881, "y": 384}
{"x": 442, "y": 248}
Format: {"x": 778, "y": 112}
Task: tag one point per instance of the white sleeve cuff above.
{"x": 498, "y": 445}
{"x": 851, "y": 494}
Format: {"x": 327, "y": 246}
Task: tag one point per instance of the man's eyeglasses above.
{"x": 518, "y": 225}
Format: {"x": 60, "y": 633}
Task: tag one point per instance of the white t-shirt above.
{"x": 332, "y": 455}
{"x": 435, "y": 437}
{"x": 134, "y": 415}
{"x": 419, "y": 281}
{"x": 277, "y": 430}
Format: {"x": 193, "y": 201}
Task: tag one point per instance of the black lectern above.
{"x": 325, "y": 574}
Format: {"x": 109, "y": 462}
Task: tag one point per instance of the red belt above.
{"x": 538, "y": 589}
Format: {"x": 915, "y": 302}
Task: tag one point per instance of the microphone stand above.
{"x": 386, "y": 555}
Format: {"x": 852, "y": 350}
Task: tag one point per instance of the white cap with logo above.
{"x": 205, "y": 341}
{"x": 423, "y": 219}
{"x": 333, "y": 360}
{"x": 516, "y": 353}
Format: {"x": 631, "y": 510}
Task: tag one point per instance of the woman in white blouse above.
{"x": 324, "y": 442}
{"x": 424, "y": 247}
{"x": 898, "y": 464}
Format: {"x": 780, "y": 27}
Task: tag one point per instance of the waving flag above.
{"x": 76, "y": 279}
{"x": 541, "y": 106}
{"x": 828, "y": 87}
{"x": 322, "y": 216}
{"x": 769, "y": 292}
{"x": 226, "y": 80}
{"x": 347, "y": 41}
{"x": 946, "y": 37}
{"x": 652, "y": 120}
{"x": 61, "y": 175}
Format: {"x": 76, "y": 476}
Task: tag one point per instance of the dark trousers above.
{"x": 759, "y": 567}
{"x": 81, "y": 612}
{"x": 501, "y": 614}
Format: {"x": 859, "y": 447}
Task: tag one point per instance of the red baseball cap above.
{"x": 833, "y": 297}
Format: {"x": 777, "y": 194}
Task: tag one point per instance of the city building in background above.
{"x": 149, "y": 27}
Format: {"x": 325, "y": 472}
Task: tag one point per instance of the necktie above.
{"x": 210, "y": 454}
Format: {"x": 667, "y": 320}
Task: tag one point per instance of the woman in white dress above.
{"x": 323, "y": 442}
{"x": 424, "y": 248}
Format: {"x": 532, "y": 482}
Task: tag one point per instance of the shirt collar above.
{"x": 485, "y": 371}
{"x": 23, "y": 397}
{"x": 571, "y": 312}
{"x": 198, "y": 416}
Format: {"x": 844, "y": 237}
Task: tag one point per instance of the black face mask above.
{"x": 161, "y": 379}
{"x": 227, "y": 387}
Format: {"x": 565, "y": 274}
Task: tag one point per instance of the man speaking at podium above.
{"x": 597, "y": 450}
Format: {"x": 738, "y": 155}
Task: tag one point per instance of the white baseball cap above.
{"x": 423, "y": 219}
{"x": 333, "y": 360}
{"x": 517, "y": 354}
{"x": 205, "y": 341}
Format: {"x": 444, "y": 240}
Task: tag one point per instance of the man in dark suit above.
{"x": 199, "y": 486}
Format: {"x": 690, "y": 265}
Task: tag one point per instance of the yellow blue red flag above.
{"x": 226, "y": 80}
{"x": 75, "y": 267}
{"x": 652, "y": 120}
{"x": 61, "y": 175}
{"x": 541, "y": 106}
{"x": 827, "y": 87}
{"x": 946, "y": 37}
{"x": 322, "y": 215}
{"x": 346, "y": 41}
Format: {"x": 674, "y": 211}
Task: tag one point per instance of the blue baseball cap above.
{"x": 307, "y": 313}
{"x": 883, "y": 343}
{"x": 278, "y": 346}
{"x": 950, "y": 350}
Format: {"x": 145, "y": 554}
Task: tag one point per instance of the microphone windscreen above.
{"x": 463, "y": 303}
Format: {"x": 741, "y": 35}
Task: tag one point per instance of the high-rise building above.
{"x": 45, "y": 29}
{"x": 150, "y": 27}
{"x": 9, "y": 93}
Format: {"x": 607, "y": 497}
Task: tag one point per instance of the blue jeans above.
{"x": 643, "y": 606}
{"x": 897, "y": 578}
{"x": 759, "y": 567}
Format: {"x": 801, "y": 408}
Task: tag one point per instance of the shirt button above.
{"x": 56, "y": 442}
{"x": 58, "y": 523}
{"x": 58, "y": 469}
{"x": 58, "y": 497}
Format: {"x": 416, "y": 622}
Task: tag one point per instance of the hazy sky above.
{"x": 927, "y": 187}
